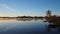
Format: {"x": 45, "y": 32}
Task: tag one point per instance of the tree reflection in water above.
{"x": 54, "y": 23}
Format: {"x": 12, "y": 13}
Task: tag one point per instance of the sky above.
{"x": 28, "y": 7}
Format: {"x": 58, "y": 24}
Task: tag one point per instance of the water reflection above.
{"x": 21, "y": 19}
{"x": 54, "y": 23}
{"x": 24, "y": 27}
{"x": 28, "y": 26}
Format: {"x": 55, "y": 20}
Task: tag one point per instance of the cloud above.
{"x": 9, "y": 11}
{"x": 7, "y": 7}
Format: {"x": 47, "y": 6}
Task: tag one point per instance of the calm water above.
{"x": 26, "y": 27}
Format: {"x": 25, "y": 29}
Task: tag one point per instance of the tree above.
{"x": 48, "y": 13}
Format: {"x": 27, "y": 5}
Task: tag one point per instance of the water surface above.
{"x": 26, "y": 27}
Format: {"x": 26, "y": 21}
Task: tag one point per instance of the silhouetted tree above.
{"x": 48, "y": 13}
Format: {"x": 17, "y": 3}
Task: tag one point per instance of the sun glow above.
{"x": 4, "y": 15}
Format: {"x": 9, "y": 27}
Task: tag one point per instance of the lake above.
{"x": 26, "y": 27}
